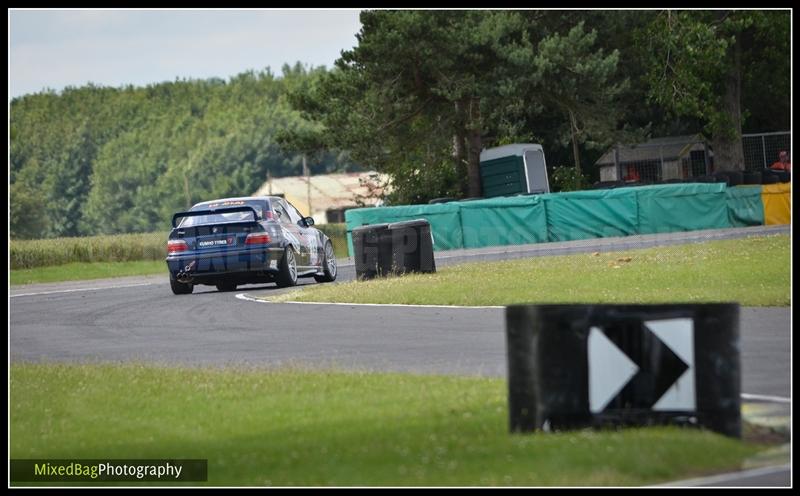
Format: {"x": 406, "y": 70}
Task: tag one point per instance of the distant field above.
{"x": 97, "y": 257}
{"x": 338, "y": 235}
{"x": 753, "y": 271}
{"x": 28, "y": 254}
{"x": 81, "y": 271}
{"x": 294, "y": 427}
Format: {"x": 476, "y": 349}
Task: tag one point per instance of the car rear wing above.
{"x": 214, "y": 211}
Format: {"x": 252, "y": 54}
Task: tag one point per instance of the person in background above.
{"x": 632, "y": 174}
{"x": 783, "y": 162}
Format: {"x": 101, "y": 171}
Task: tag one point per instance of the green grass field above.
{"x": 297, "y": 427}
{"x": 79, "y": 271}
{"x": 753, "y": 272}
{"x": 29, "y": 254}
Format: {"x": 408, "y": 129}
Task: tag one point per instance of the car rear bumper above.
{"x": 203, "y": 265}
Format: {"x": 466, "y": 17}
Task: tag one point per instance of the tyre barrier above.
{"x": 721, "y": 177}
{"x": 735, "y": 178}
{"x": 608, "y": 184}
{"x": 368, "y": 258}
{"x": 575, "y": 366}
{"x": 396, "y": 248}
{"x": 769, "y": 177}
{"x": 751, "y": 178}
{"x": 783, "y": 176}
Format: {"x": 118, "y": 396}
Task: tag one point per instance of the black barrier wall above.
{"x": 411, "y": 246}
{"x": 368, "y": 259}
{"x": 572, "y": 366}
{"x": 397, "y": 248}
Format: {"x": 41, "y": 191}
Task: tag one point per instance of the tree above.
{"x": 569, "y": 73}
{"x": 697, "y": 68}
{"x": 410, "y": 96}
{"x": 29, "y": 215}
{"x": 124, "y": 159}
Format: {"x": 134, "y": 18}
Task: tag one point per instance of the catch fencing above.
{"x": 682, "y": 159}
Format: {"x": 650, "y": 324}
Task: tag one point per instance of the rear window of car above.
{"x": 199, "y": 220}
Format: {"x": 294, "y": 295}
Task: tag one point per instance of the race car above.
{"x": 234, "y": 241}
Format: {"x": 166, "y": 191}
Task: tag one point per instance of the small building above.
{"x": 659, "y": 159}
{"x": 325, "y": 197}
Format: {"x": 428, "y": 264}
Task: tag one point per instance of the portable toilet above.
{"x": 513, "y": 169}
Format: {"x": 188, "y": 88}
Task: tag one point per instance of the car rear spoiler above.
{"x": 213, "y": 211}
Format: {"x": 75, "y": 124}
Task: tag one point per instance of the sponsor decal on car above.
{"x": 226, "y": 204}
{"x": 217, "y": 242}
{"x": 313, "y": 246}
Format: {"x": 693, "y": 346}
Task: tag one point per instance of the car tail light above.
{"x": 257, "y": 239}
{"x": 176, "y": 245}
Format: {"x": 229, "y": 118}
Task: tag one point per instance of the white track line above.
{"x": 761, "y": 397}
{"x": 81, "y": 289}
{"x": 243, "y": 296}
{"x": 731, "y": 476}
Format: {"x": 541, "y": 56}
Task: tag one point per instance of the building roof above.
{"x": 329, "y": 191}
{"x": 669, "y": 148}
{"x": 518, "y": 149}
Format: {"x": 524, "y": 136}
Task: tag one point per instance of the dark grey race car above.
{"x": 233, "y": 241}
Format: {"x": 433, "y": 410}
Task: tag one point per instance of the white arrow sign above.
{"x": 678, "y": 334}
{"x": 609, "y": 370}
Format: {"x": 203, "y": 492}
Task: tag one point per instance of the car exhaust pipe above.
{"x": 185, "y": 275}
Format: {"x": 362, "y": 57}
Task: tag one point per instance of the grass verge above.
{"x": 752, "y": 271}
{"x": 84, "y": 271}
{"x": 316, "y": 428}
{"x": 99, "y": 257}
{"x": 29, "y": 254}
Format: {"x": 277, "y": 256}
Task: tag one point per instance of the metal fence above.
{"x": 658, "y": 161}
{"x": 675, "y": 160}
{"x": 761, "y": 150}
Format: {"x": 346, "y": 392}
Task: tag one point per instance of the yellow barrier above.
{"x": 777, "y": 199}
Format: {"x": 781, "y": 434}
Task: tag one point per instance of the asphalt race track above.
{"x": 142, "y": 323}
{"x": 138, "y": 319}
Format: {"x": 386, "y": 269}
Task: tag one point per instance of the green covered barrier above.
{"x": 591, "y": 214}
{"x": 576, "y": 215}
{"x": 444, "y": 219}
{"x": 745, "y": 206}
{"x": 682, "y": 207}
{"x": 512, "y": 220}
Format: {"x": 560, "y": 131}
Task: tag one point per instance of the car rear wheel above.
{"x": 328, "y": 265}
{"x": 287, "y": 270}
{"x": 226, "y": 286}
{"x": 180, "y": 288}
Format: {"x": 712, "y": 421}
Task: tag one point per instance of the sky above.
{"x": 58, "y": 48}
